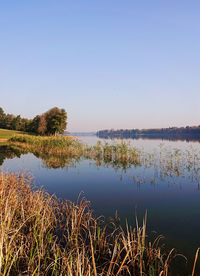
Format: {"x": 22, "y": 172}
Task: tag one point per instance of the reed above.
{"x": 166, "y": 162}
{"x": 42, "y": 235}
{"x": 120, "y": 153}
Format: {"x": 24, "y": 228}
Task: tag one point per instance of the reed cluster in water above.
{"x": 57, "y": 145}
{"x": 41, "y": 235}
{"x": 166, "y": 162}
{"x": 60, "y": 145}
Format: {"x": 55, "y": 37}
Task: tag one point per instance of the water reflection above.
{"x": 143, "y": 143}
{"x": 165, "y": 182}
{"x": 50, "y": 161}
{"x": 164, "y": 164}
{"x": 163, "y": 137}
{"x": 8, "y": 152}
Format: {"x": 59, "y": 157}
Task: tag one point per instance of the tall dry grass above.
{"x": 42, "y": 235}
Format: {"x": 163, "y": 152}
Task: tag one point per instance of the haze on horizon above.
{"x": 110, "y": 64}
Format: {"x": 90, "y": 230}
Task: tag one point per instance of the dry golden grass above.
{"x": 41, "y": 235}
{"x": 3, "y": 140}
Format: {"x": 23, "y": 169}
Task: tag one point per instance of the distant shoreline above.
{"x": 174, "y": 133}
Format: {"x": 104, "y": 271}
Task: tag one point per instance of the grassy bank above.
{"x": 57, "y": 145}
{"x": 40, "y": 235}
{"x": 6, "y": 134}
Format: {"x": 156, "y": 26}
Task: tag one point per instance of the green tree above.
{"x": 56, "y": 121}
{"x": 26, "y": 124}
{"x": 42, "y": 125}
{"x": 16, "y": 123}
{"x": 8, "y": 121}
{"x": 2, "y": 118}
{"x": 52, "y": 122}
{"x": 34, "y": 124}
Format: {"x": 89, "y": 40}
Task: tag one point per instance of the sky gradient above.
{"x": 109, "y": 63}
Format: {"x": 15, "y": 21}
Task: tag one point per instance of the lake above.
{"x": 172, "y": 201}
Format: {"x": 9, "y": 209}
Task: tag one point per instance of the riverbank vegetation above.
{"x": 42, "y": 235}
{"x": 5, "y": 134}
{"x": 192, "y": 132}
{"x": 165, "y": 162}
{"x": 53, "y": 121}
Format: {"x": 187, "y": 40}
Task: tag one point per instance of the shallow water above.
{"x": 173, "y": 203}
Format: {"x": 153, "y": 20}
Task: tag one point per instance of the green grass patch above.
{"x": 6, "y": 134}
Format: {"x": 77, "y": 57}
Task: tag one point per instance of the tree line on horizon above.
{"x": 156, "y": 132}
{"x": 52, "y": 122}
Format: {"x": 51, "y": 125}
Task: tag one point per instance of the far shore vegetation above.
{"x": 188, "y": 132}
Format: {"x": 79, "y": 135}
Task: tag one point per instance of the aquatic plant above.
{"x": 165, "y": 162}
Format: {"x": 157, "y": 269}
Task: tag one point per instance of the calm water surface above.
{"x": 173, "y": 205}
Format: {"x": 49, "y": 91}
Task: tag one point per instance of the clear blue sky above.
{"x": 109, "y": 63}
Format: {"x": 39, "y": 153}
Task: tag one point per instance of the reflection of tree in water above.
{"x": 57, "y": 161}
{"x": 8, "y": 152}
{"x": 50, "y": 161}
{"x": 164, "y": 164}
